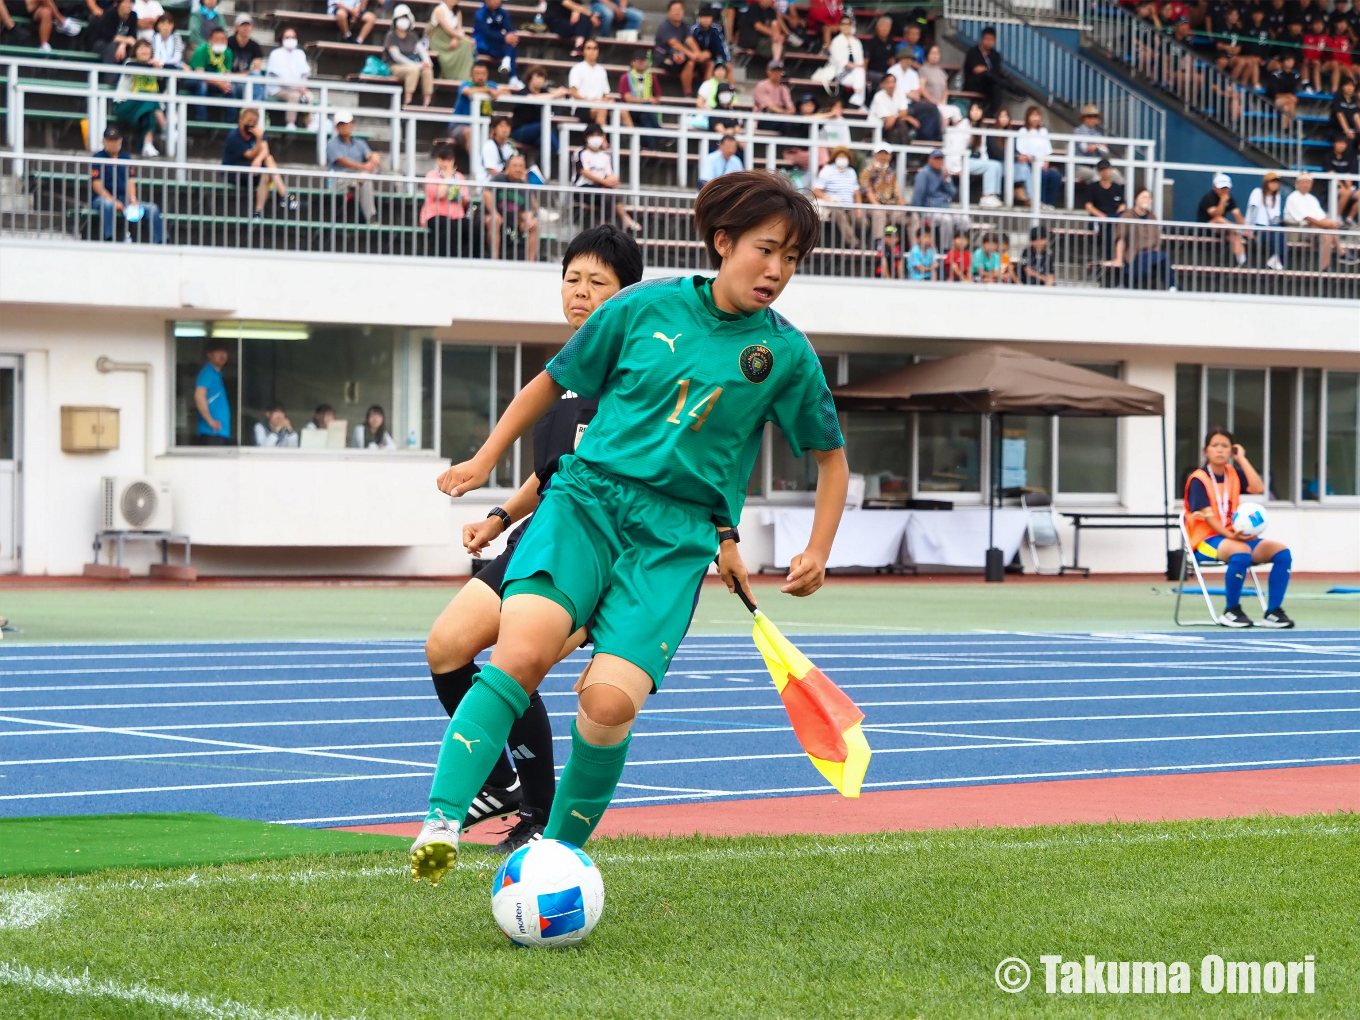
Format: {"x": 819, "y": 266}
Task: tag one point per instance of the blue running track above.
{"x": 337, "y": 733}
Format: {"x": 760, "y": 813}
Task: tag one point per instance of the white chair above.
{"x": 1041, "y": 532}
{"x": 1190, "y": 561}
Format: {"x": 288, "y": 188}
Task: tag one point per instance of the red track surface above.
{"x": 1299, "y": 791}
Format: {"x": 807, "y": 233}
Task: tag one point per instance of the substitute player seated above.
{"x": 1211, "y": 496}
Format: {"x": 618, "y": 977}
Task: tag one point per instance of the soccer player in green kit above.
{"x": 688, "y": 371}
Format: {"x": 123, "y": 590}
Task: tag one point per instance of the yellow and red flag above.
{"x": 825, "y": 720}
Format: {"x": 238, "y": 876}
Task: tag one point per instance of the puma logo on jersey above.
{"x": 466, "y": 742}
{"x": 588, "y": 819}
{"x": 670, "y": 340}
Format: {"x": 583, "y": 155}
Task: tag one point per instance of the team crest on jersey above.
{"x": 756, "y": 363}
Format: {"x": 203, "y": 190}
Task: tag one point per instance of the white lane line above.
{"x": 426, "y": 774}
{"x": 193, "y": 669}
{"x": 83, "y": 986}
{"x": 897, "y": 728}
{"x": 390, "y": 815}
{"x": 1143, "y": 715}
{"x": 247, "y": 653}
{"x": 190, "y": 684}
{"x": 687, "y": 790}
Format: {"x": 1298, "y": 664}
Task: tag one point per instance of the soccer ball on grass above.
{"x": 547, "y": 893}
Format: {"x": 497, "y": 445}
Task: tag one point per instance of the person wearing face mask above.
{"x": 408, "y": 55}
{"x": 1138, "y": 246}
{"x": 837, "y": 185}
{"x": 288, "y": 63}
{"x": 595, "y": 169}
{"x": 247, "y": 147}
{"x": 209, "y": 58}
{"x": 878, "y": 186}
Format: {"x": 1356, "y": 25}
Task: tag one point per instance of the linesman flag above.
{"x": 825, "y": 720}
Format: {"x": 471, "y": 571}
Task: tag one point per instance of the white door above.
{"x": 11, "y": 379}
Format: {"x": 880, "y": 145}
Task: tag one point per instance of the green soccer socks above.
{"x": 585, "y": 789}
{"x": 475, "y": 740}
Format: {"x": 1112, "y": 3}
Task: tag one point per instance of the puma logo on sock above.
{"x": 588, "y": 819}
{"x": 466, "y": 742}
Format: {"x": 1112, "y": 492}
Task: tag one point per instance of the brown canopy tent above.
{"x": 995, "y": 381}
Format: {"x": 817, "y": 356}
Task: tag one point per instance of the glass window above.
{"x": 1088, "y": 449}
{"x": 465, "y": 400}
{"x": 427, "y": 391}
{"x": 878, "y": 446}
{"x": 1280, "y": 483}
{"x": 862, "y": 367}
{"x": 1027, "y": 453}
{"x": 949, "y": 450}
{"x": 1312, "y": 410}
{"x": 1248, "y": 412}
{"x": 1341, "y": 433}
{"x": 192, "y": 340}
{"x": 7, "y": 413}
{"x": 1187, "y": 423}
{"x": 797, "y": 474}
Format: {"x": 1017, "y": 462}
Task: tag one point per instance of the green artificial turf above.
{"x": 77, "y": 844}
{"x": 353, "y": 610}
{"x": 896, "y": 925}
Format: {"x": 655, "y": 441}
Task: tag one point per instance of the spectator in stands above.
{"x": 287, "y": 62}
{"x": 982, "y": 72}
{"x": 167, "y": 48}
{"x": 922, "y": 263}
{"x": 791, "y": 23}
{"x": 211, "y": 56}
{"x": 1219, "y": 207}
{"x": 773, "y": 96}
{"x": 888, "y": 110}
{"x": 497, "y": 149}
{"x": 1037, "y": 266}
{"x": 837, "y": 186}
{"x": 675, "y": 49}
{"x": 958, "y": 261}
{"x": 210, "y": 397}
{"x": 823, "y": 16}
{"x": 707, "y": 95}
{"x": 1139, "y": 247}
{"x": 114, "y": 188}
{"x": 987, "y": 261}
{"x": 935, "y": 90}
{"x": 878, "y": 186}
{"x": 1032, "y": 169}
{"x": 845, "y": 65}
{"x": 496, "y": 37}
{"x": 595, "y": 170}
{"x": 880, "y": 52}
{"x": 353, "y": 18}
{"x": 201, "y": 23}
{"x": 276, "y": 429}
{"x": 1283, "y": 86}
{"x": 246, "y": 55}
{"x": 723, "y": 160}
{"x": 934, "y": 188}
{"x": 1232, "y": 45}
{"x": 8, "y": 27}
{"x": 891, "y": 261}
{"x": 141, "y": 117}
{"x": 247, "y": 147}
{"x": 1339, "y": 50}
{"x": 722, "y": 120}
{"x": 1302, "y": 209}
{"x": 571, "y": 20}
{"x": 1265, "y": 209}
{"x": 708, "y": 36}
{"x": 526, "y": 121}
{"x": 1090, "y": 126}
{"x": 1105, "y": 204}
{"x": 996, "y": 149}
{"x": 1343, "y": 118}
{"x": 444, "y": 214}
{"x": 475, "y": 89}
{"x": 911, "y": 40}
{"x": 373, "y": 434}
{"x": 638, "y": 85}
{"x": 408, "y": 56}
{"x": 513, "y": 221}
{"x": 147, "y": 12}
{"x": 111, "y": 34}
{"x": 1316, "y": 59}
{"x": 1257, "y": 45}
{"x": 616, "y": 12}
{"x": 322, "y": 418}
{"x": 1344, "y": 161}
{"x": 45, "y": 15}
{"x": 589, "y": 80}
{"x": 452, "y": 48}
{"x": 980, "y": 162}
{"x": 347, "y": 154}
{"x": 760, "y": 30}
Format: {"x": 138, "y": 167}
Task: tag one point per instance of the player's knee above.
{"x": 444, "y": 651}
{"x": 1283, "y": 557}
{"x": 605, "y": 715}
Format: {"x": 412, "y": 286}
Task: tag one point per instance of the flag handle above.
{"x": 741, "y": 594}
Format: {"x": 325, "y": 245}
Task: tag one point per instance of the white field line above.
{"x": 190, "y": 684}
{"x": 23, "y": 908}
{"x": 252, "y": 653}
{"x": 217, "y": 786}
{"x": 84, "y": 986}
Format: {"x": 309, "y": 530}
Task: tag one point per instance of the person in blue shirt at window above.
{"x": 495, "y": 35}
{"x": 115, "y": 189}
{"x": 210, "y": 398}
{"x": 722, "y": 160}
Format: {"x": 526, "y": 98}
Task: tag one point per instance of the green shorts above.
{"x": 620, "y": 556}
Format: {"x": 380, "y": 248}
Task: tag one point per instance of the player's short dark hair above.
{"x": 1217, "y": 430}
{"x": 735, "y": 203}
{"x": 215, "y": 345}
{"x": 611, "y": 246}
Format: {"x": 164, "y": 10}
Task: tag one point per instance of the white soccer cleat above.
{"x": 435, "y": 849}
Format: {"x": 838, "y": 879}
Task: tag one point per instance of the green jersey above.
{"x": 685, "y": 390}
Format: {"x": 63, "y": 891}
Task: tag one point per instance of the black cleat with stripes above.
{"x": 494, "y": 802}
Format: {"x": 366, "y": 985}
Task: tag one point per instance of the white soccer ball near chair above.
{"x": 1250, "y": 520}
{"x": 547, "y": 893}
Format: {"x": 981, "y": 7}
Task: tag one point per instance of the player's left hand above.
{"x": 462, "y": 478}
{"x": 807, "y": 573}
{"x": 478, "y": 536}
{"x": 732, "y": 569}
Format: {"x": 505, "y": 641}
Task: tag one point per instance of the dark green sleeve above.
{"x": 593, "y": 350}
{"x": 804, "y": 410}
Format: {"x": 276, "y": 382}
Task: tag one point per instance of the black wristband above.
{"x": 505, "y": 517}
{"x": 728, "y": 533}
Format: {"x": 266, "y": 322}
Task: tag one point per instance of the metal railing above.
{"x": 1062, "y": 13}
{"x": 1200, "y": 86}
{"x": 1064, "y": 75}
{"x": 313, "y": 211}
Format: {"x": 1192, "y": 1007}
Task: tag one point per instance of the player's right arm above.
{"x": 529, "y": 405}
{"x": 478, "y": 536}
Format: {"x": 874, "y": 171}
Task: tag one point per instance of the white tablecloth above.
{"x": 880, "y": 538}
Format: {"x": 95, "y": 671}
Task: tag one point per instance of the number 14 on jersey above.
{"x": 700, "y": 411}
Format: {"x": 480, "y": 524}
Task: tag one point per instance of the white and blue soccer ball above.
{"x": 547, "y": 893}
{"x": 1250, "y": 519}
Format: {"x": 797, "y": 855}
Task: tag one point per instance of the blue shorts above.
{"x": 1207, "y": 550}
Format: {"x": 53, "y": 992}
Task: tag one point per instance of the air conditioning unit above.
{"x": 135, "y": 504}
